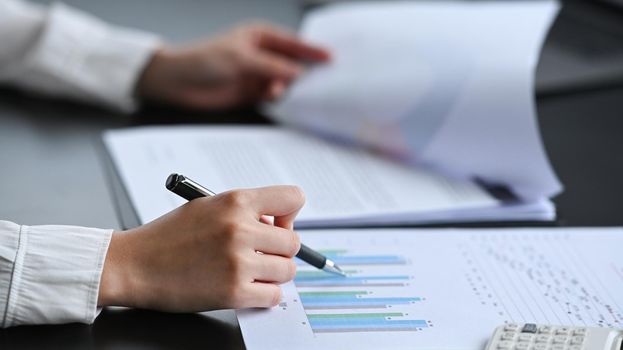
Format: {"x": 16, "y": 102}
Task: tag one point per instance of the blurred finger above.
{"x": 277, "y": 241}
{"x": 275, "y": 90}
{"x": 274, "y": 269}
{"x": 273, "y": 66}
{"x": 287, "y": 44}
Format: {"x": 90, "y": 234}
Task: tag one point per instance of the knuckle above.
{"x": 234, "y": 283}
{"x": 233, "y": 228}
{"x": 230, "y": 228}
{"x": 235, "y": 266}
{"x": 238, "y": 54}
{"x": 236, "y": 295}
{"x": 231, "y": 234}
{"x": 237, "y": 198}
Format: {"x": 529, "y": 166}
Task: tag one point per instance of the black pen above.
{"x": 189, "y": 189}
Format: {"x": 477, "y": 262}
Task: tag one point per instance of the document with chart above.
{"x": 442, "y": 289}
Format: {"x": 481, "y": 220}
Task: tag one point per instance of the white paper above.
{"x": 443, "y": 289}
{"x": 343, "y": 185}
{"x": 443, "y": 83}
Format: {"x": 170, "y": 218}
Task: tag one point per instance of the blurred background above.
{"x": 584, "y": 50}
{"x": 578, "y": 86}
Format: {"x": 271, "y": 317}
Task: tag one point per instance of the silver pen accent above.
{"x": 331, "y": 267}
{"x": 206, "y": 192}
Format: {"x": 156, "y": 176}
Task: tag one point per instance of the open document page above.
{"x": 442, "y": 289}
{"x": 446, "y": 83}
{"x": 344, "y": 186}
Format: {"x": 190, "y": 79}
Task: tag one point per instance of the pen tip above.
{"x": 334, "y": 269}
{"x": 340, "y": 272}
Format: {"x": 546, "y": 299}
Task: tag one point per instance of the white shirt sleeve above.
{"x": 60, "y": 51}
{"x": 50, "y": 274}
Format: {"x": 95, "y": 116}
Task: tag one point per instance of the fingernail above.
{"x": 276, "y": 90}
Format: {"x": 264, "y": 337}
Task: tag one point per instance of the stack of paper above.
{"x": 344, "y": 186}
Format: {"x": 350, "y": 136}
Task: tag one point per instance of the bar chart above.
{"x": 363, "y": 301}
{"x": 443, "y": 289}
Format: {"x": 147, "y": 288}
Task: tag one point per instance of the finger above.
{"x": 274, "y": 269}
{"x": 286, "y": 221}
{"x": 282, "y": 202}
{"x": 277, "y": 241}
{"x": 273, "y": 66}
{"x": 275, "y": 90}
{"x": 261, "y": 294}
{"x": 282, "y": 42}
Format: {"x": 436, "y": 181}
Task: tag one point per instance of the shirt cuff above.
{"x": 83, "y": 57}
{"x": 55, "y": 275}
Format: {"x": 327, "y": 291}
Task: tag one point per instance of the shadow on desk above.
{"x": 129, "y": 328}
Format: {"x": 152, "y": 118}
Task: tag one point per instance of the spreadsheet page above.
{"x": 442, "y": 289}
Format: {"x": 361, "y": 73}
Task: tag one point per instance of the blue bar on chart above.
{"x": 364, "y": 322}
{"x": 350, "y": 300}
{"x": 326, "y": 280}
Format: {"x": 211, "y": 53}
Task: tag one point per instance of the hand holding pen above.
{"x": 189, "y": 189}
{"x": 203, "y": 255}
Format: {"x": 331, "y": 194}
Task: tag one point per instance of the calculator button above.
{"x": 529, "y": 328}
{"x": 562, "y": 330}
{"x": 575, "y": 347}
{"x": 558, "y": 347}
{"x": 505, "y": 345}
{"x": 540, "y": 346}
{"x": 508, "y": 336}
{"x": 578, "y": 339}
{"x": 525, "y": 337}
{"x": 560, "y": 339}
{"x": 545, "y": 329}
{"x": 522, "y": 346}
{"x": 579, "y": 331}
{"x": 542, "y": 338}
{"x": 511, "y": 327}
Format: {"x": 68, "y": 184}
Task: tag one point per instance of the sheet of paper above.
{"x": 444, "y": 83}
{"x": 343, "y": 185}
{"x": 442, "y": 289}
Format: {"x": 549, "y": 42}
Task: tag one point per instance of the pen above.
{"x": 189, "y": 189}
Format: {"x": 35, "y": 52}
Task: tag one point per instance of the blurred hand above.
{"x": 246, "y": 65}
{"x": 204, "y": 254}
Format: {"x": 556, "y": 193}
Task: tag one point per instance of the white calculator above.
{"x": 530, "y": 336}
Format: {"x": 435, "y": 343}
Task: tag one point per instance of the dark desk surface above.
{"x": 46, "y": 142}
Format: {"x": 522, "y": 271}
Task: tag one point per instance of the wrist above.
{"x": 115, "y": 282}
{"x": 153, "y": 78}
